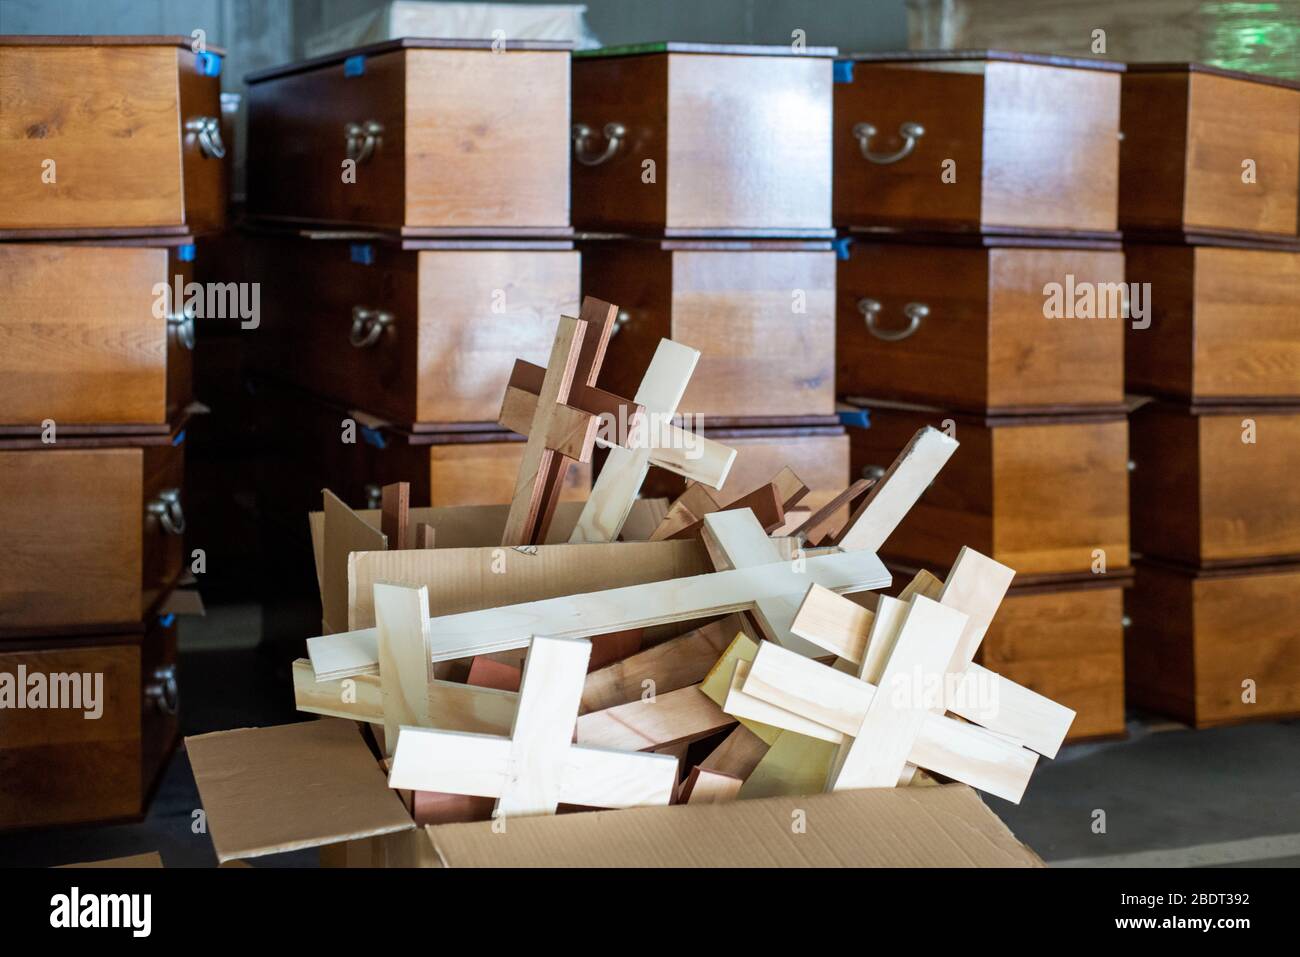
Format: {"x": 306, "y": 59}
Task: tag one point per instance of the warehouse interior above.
{"x": 1081, "y": 427}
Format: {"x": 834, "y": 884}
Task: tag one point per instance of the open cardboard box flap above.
{"x": 290, "y": 787}
{"x": 268, "y": 790}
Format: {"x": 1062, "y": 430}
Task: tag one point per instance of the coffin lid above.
{"x": 405, "y": 43}
{"x": 1008, "y": 56}
{"x": 1210, "y": 70}
{"x": 713, "y": 49}
{"x": 102, "y": 40}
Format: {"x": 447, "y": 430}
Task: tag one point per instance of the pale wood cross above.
{"x": 537, "y": 767}
{"x": 560, "y": 409}
{"x": 888, "y": 718}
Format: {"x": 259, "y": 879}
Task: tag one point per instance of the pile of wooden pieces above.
{"x": 787, "y": 687}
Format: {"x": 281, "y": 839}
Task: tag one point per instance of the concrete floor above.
{"x": 1226, "y": 797}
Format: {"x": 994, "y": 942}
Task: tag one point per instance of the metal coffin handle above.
{"x": 915, "y": 312}
{"x": 167, "y": 508}
{"x": 207, "y": 130}
{"x": 582, "y": 135}
{"x": 182, "y": 323}
{"x": 909, "y": 133}
{"x": 368, "y": 325}
{"x": 163, "y": 690}
{"x": 363, "y": 139}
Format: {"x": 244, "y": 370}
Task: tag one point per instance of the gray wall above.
{"x": 262, "y": 33}
{"x": 848, "y": 24}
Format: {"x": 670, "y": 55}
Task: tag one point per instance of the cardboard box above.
{"x": 317, "y": 784}
{"x": 321, "y": 784}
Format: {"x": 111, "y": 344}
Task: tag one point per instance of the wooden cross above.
{"x": 894, "y": 494}
{"x": 927, "y": 642}
{"x": 830, "y": 705}
{"x": 613, "y": 712}
{"x": 735, "y": 539}
{"x": 620, "y": 478}
{"x": 556, "y": 430}
{"x": 537, "y": 767}
{"x": 975, "y": 586}
{"x": 464, "y": 635}
{"x": 562, "y": 421}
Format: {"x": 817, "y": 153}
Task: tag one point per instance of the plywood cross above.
{"x": 571, "y": 427}
{"x": 491, "y": 630}
{"x": 620, "y": 478}
{"x": 558, "y": 431}
{"x": 885, "y": 727}
{"x": 894, "y": 494}
{"x": 975, "y": 586}
{"x": 537, "y": 767}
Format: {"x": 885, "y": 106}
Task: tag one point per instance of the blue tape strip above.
{"x": 180, "y": 438}
{"x": 166, "y": 620}
{"x": 355, "y": 65}
{"x": 841, "y": 247}
{"x": 363, "y": 253}
{"x": 186, "y": 253}
{"x": 374, "y": 437}
{"x": 208, "y": 64}
{"x": 842, "y": 71}
{"x": 857, "y": 418}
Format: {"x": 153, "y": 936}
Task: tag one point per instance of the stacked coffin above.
{"x": 1208, "y": 205}
{"x": 410, "y": 211}
{"x": 113, "y": 164}
{"x": 702, "y": 190}
{"x": 981, "y": 292}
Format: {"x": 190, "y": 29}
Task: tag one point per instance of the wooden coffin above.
{"x": 56, "y": 766}
{"x": 969, "y": 326}
{"x": 95, "y": 529}
{"x": 762, "y": 314}
{"x": 354, "y": 454}
{"x": 817, "y": 449}
{"x": 110, "y": 135}
{"x": 1214, "y": 647}
{"x": 1208, "y": 151}
{"x": 982, "y": 141}
{"x": 691, "y": 139}
{"x": 1062, "y": 636}
{"x": 429, "y": 137}
{"x": 90, "y": 341}
{"x": 418, "y": 332}
{"x": 1043, "y": 495}
{"x": 1216, "y": 486}
{"x": 1225, "y": 323}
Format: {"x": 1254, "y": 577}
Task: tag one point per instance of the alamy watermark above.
{"x": 213, "y": 300}
{"x": 59, "y": 690}
{"x": 1098, "y": 300}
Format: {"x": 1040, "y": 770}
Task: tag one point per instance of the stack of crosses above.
{"x": 788, "y": 687}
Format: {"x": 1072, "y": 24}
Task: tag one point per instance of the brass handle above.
{"x": 182, "y": 324}
{"x": 374, "y": 496}
{"x": 163, "y": 690}
{"x": 915, "y": 312}
{"x": 621, "y": 319}
{"x": 873, "y": 472}
{"x": 909, "y": 132}
{"x": 582, "y": 134}
{"x": 368, "y": 325}
{"x": 167, "y": 508}
{"x": 207, "y": 130}
{"x": 363, "y": 139}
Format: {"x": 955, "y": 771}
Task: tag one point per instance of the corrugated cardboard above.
{"x": 149, "y": 859}
{"x": 294, "y": 786}
{"x": 267, "y": 790}
{"x": 891, "y": 827}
